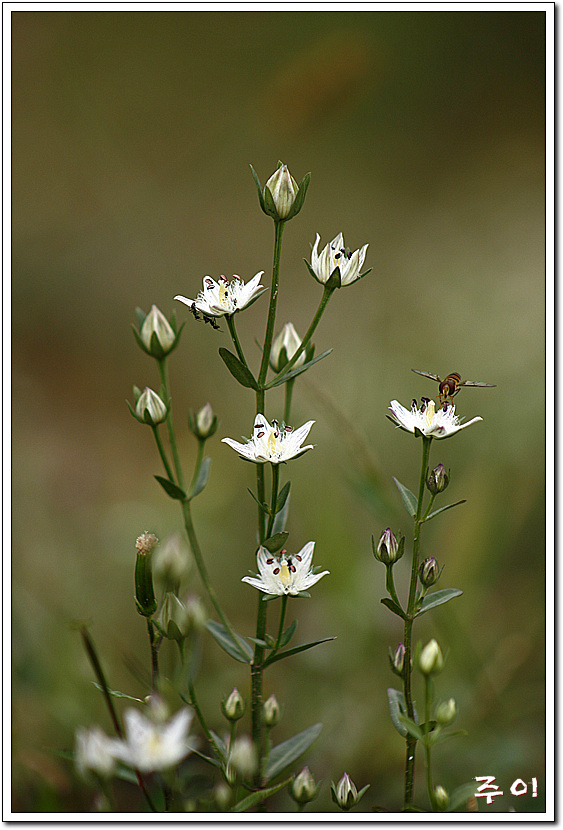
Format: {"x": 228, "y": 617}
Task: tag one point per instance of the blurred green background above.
{"x": 132, "y": 138}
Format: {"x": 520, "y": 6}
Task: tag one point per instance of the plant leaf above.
{"x": 281, "y": 654}
{"x": 281, "y": 517}
{"x": 274, "y": 543}
{"x": 237, "y": 369}
{"x": 262, "y": 505}
{"x": 412, "y": 727}
{"x": 461, "y": 794}
{"x": 392, "y": 606}
{"x": 288, "y": 634}
{"x": 294, "y": 372}
{"x": 243, "y": 654}
{"x": 287, "y": 752}
{"x": 117, "y": 694}
{"x": 397, "y": 707}
{"x": 202, "y": 478}
{"x": 409, "y": 499}
{"x": 282, "y": 497}
{"x": 171, "y": 489}
{"x": 438, "y": 598}
{"x": 441, "y": 509}
{"x": 256, "y": 798}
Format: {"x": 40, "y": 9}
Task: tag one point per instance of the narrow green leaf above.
{"x": 237, "y": 369}
{"x": 114, "y": 693}
{"x": 258, "y": 642}
{"x": 392, "y": 606}
{"x": 280, "y": 655}
{"x": 438, "y": 598}
{"x": 141, "y": 316}
{"x": 412, "y": 727}
{"x": 243, "y": 654}
{"x": 171, "y": 489}
{"x": 274, "y": 543}
{"x": 461, "y": 795}
{"x": 260, "y": 504}
{"x": 441, "y": 509}
{"x": 409, "y": 499}
{"x": 258, "y": 186}
{"x": 443, "y": 736}
{"x": 282, "y": 497}
{"x": 294, "y": 372}
{"x": 287, "y": 752}
{"x": 288, "y": 634}
{"x": 281, "y": 517}
{"x": 397, "y": 707}
{"x": 256, "y": 798}
{"x": 202, "y": 478}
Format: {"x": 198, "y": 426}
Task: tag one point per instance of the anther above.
{"x": 276, "y": 571}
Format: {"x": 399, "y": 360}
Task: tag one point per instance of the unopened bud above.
{"x": 431, "y": 659}
{"x": 282, "y": 198}
{"x": 271, "y": 712}
{"x": 243, "y": 761}
{"x": 204, "y": 423}
{"x": 150, "y": 408}
{"x": 172, "y": 562}
{"x": 388, "y": 550}
{"x": 157, "y": 335}
{"x": 441, "y": 797}
{"x": 284, "y": 347}
{"x": 429, "y": 572}
{"x": 303, "y": 787}
{"x": 397, "y": 659}
{"x": 144, "y": 591}
{"x": 446, "y": 712}
{"x": 173, "y": 619}
{"x": 438, "y": 479}
{"x": 345, "y": 793}
{"x": 233, "y": 706}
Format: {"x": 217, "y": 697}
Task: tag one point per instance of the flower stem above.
{"x": 162, "y": 453}
{"x": 230, "y": 318}
{"x": 275, "y": 485}
{"x": 282, "y": 621}
{"x": 428, "y": 694}
{"x": 288, "y": 396}
{"x": 163, "y": 369}
{"x": 198, "y": 463}
{"x": 154, "y": 653}
{"x": 278, "y": 234}
{"x": 410, "y": 741}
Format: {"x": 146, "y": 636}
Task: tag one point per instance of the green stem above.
{"x": 390, "y": 583}
{"x": 278, "y": 234}
{"x": 230, "y": 318}
{"x": 410, "y": 741}
{"x": 275, "y": 486}
{"x": 327, "y": 294}
{"x": 198, "y": 463}
{"x": 288, "y": 396}
{"x": 163, "y": 369}
{"x": 427, "y": 748}
{"x": 429, "y": 508}
{"x": 162, "y": 453}
{"x": 154, "y": 653}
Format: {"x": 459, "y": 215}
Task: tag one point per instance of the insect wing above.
{"x": 427, "y": 375}
{"x": 475, "y": 383}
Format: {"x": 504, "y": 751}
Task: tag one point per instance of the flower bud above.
{"x": 397, "y": 659}
{"x": 438, "y": 479}
{"x": 233, "y": 706}
{"x": 223, "y": 795}
{"x": 271, "y": 712}
{"x": 431, "y": 659}
{"x": 429, "y": 572}
{"x": 150, "y": 408}
{"x": 345, "y": 794}
{"x": 441, "y": 798}
{"x": 242, "y": 761}
{"x": 446, "y": 712}
{"x": 389, "y": 550}
{"x": 284, "y": 347}
{"x": 144, "y": 591}
{"x": 283, "y": 189}
{"x": 196, "y": 612}
{"x": 172, "y": 563}
{"x": 173, "y": 620}
{"x": 157, "y": 337}
{"x": 204, "y": 423}
{"x": 303, "y": 787}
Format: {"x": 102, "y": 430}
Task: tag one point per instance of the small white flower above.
{"x": 431, "y": 423}
{"x": 92, "y": 753}
{"x": 274, "y": 443}
{"x": 150, "y": 746}
{"x": 224, "y": 297}
{"x": 284, "y": 574}
{"x": 335, "y": 255}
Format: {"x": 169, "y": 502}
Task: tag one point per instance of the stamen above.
{"x": 261, "y": 434}
{"x": 299, "y": 558}
{"x": 269, "y": 561}
{"x": 276, "y": 571}
{"x": 259, "y": 426}
{"x": 292, "y": 568}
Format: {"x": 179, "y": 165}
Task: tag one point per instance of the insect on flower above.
{"x": 450, "y": 385}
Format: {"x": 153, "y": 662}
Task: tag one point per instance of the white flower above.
{"x": 150, "y": 408}
{"x": 431, "y": 423}
{"x": 335, "y": 255}
{"x": 284, "y": 574}
{"x": 289, "y": 340}
{"x": 283, "y": 189}
{"x": 150, "y": 746}
{"x": 92, "y": 753}
{"x": 275, "y": 443}
{"x": 224, "y": 297}
{"x": 156, "y": 323}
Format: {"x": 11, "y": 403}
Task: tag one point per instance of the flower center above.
{"x": 284, "y": 572}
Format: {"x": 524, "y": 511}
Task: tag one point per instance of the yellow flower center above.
{"x": 273, "y": 442}
{"x": 223, "y": 294}
{"x": 284, "y": 573}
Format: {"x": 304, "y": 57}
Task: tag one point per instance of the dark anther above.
{"x": 276, "y": 571}
{"x": 269, "y": 561}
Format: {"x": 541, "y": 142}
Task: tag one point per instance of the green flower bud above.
{"x": 446, "y": 712}
{"x": 438, "y": 479}
{"x": 441, "y": 798}
{"x": 271, "y": 712}
{"x": 388, "y": 550}
{"x": 397, "y": 659}
{"x": 233, "y": 706}
{"x": 150, "y": 408}
{"x": 303, "y": 787}
{"x": 173, "y": 619}
{"x": 429, "y": 572}
{"x": 172, "y": 562}
{"x": 243, "y": 760}
{"x": 223, "y": 796}
{"x": 345, "y": 794}
{"x": 282, "y": 198}
{"x": 156, "y": 336}
{"x": 196, "y": 612}
{"x": 144, "y": 591}
{"x": 204, "y": 423}
{"x": 431, "y": 659}
{"x": 284, "y": 347}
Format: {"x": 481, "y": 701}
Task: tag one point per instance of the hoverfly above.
{"x": 450, "y": 385}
